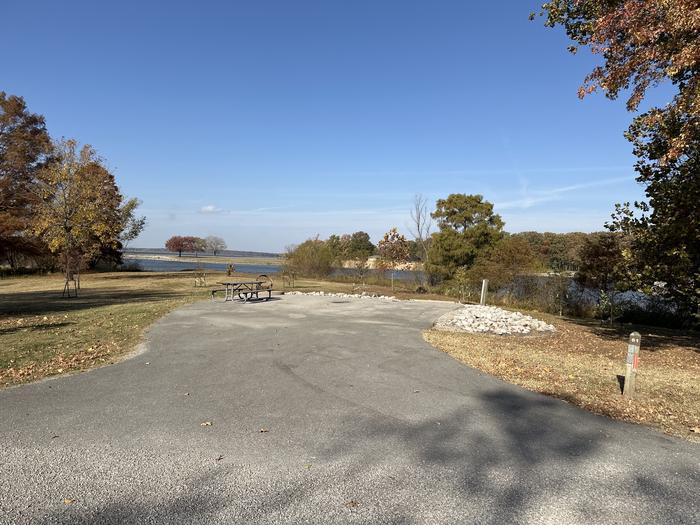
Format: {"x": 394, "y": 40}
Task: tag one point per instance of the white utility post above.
{"x": 484, "y": 289}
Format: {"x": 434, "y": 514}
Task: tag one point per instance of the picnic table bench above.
{"x": 245, "y": 290}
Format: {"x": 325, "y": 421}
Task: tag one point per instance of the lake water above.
{"x": 399, "y": 275}
{"x": 151, "y": 265}
{"x": 154, "y": 265}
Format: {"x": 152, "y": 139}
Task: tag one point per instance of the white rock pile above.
{"x": 363, "y": 295}
{"x": 478, "y": 319}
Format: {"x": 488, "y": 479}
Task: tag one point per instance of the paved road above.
{"x": 365, "y": 423}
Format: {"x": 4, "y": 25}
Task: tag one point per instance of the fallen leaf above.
{"x": 68, "y": 501}
{"x": 205, "y": 424}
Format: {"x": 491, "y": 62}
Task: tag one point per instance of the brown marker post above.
{"x": 632, "y": 362}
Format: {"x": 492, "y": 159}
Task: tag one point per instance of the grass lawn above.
{"x": 580, "y": 363}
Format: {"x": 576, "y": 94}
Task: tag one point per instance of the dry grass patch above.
{"x": 580, "y": 363}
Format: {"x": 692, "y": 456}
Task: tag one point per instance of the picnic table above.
{"x": 245, "y": 290}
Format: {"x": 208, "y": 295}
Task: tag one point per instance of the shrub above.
{"x": 313, "y": 258}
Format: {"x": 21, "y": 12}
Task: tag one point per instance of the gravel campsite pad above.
{"x": 491, "y": 319}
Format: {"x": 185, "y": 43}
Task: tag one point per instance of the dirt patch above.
{"x": 581, "y": 362}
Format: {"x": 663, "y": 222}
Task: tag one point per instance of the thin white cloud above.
{"x": 593, "y": 184}
{"x": 525, "y": 202}
{"x": 533, "y": 198}
{"x": 209, "y": 208}
{"x": 271, "y": 208}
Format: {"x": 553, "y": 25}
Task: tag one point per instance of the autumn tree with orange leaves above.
{"x": 643, "y": 44}
{"x": 24, "y": 148}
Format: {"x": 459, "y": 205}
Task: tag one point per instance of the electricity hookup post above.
{"x": 484, "y": 289}
{"x": 632, "y": 362}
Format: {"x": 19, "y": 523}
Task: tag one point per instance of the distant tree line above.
{"x": 59, "y": 203}
{"x": 196, "y": 245}
{"x": 556, "y": 251}
{"x": 470, "y": 235}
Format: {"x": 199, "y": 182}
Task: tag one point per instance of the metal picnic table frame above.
{"x": 245, "y": 290}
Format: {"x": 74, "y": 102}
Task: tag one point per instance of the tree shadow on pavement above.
{"x": 495, "y": 460}
{"x": 516, "y": 449}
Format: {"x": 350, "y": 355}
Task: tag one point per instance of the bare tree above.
{"x": 215, "y": 244}
{"x": 422, "y": 223}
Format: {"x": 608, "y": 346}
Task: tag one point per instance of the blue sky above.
{"x": 269, "y": 122}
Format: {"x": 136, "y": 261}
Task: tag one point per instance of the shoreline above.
{"x": 214, "y": 259}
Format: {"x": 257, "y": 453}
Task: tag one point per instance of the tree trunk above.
{"x": 69, "y": 275}
{"x": 612, "y": 308}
